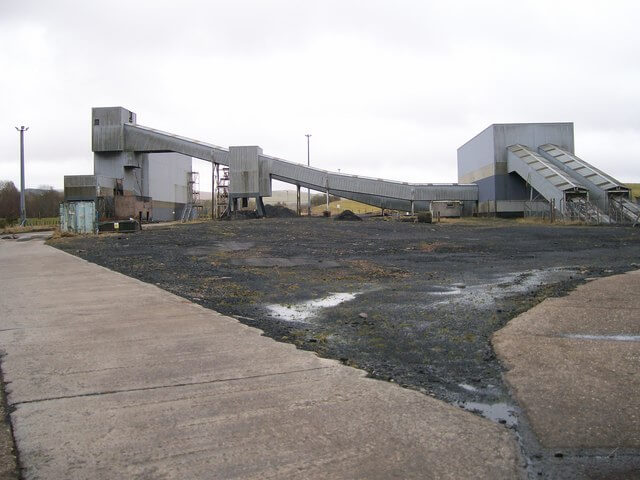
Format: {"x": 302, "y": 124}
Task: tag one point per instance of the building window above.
{"x": 96, "y": 121}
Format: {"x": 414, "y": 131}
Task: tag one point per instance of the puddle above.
{"x": 468, "y": 388}
{"x": 284, "y": 262}
{"x": 484, "y": 295}
{"x": 617, "y": 338}
{"x": 440, "y": 290}
{"x": 498, "y": 412}
{"x": 302, "y": 311}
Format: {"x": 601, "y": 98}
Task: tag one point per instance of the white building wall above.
{"x": 168, "y": 173}
{"x": 168, "y": 176}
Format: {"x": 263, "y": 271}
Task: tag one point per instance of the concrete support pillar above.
{"x": 260, "y": 207}
{"x": 327, "y": 199}
{"x": 412, "y": 208}
{"x": 298, "y": 208}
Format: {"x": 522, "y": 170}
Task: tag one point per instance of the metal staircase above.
{"x": 624, "y": 211}
{"x": 584, "y": 211}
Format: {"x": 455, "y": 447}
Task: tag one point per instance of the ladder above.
{"x": 186, "y": 212}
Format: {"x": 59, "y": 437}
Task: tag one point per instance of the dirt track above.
{"x": 418, "y": 301}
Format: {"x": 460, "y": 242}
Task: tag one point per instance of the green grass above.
{"x": 50, "y": 221}
{"x": 635, "y": 189}
{"x": 342, "y": 205}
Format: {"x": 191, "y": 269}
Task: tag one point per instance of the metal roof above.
{"x": 545, "y": 168}
{"x": 583, "y": 169}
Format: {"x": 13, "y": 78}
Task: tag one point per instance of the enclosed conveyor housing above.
{"x": 144, "y": 139}
{"x": 601, "y": 186}
{"x": 372, "y": 191}
{"x": 567, "y": 195}
{"x": 610, "y": 195}
{"x": 543, "y": 176}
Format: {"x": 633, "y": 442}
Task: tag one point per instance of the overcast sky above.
{"x": 386, "y": 88}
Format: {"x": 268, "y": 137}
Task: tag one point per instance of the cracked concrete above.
{"x": 113, "y": 378}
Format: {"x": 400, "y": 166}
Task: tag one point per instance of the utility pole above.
{"x": 308, "y": 135}
{"x": 23, "y": 213}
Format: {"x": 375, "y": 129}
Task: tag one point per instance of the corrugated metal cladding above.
{"x": 321, "y": 180}
{"x": 257, "y": 177}
{"x": 583, "y": 169}
{"x": 544, "y": 168}
{"x": 244, "y": 171}
{"x": 144, "y": 139}
{"x": 78, "y": 217}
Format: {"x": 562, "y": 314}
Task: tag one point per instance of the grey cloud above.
{"x": 373, "y": 80}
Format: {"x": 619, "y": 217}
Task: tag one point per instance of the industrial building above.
{"x": 144, "y": 185}
{"x": 531, "y": 168}
{"x": 505, "y": 170}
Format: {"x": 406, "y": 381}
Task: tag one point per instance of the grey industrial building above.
{"x": 526, "y": 168}
{"x": 505, "y": 170}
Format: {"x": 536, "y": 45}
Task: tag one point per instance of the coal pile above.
{"x": 278, "y": 211}
{"x": 348, "y": 215}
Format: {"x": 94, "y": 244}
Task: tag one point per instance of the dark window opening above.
{"x": 96, "y": 121}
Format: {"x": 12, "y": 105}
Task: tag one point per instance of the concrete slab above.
{"x": 114, "y": 378}
{"x": 577, "y": 391}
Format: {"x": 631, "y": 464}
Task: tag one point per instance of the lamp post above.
{"x": 308, "y": 135}
{"x": 23, "y": 213}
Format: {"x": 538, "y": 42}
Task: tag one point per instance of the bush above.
{"x": 9, "y": 201}
{"x": 321, "y": 199}
{"x": 424, "y": 217}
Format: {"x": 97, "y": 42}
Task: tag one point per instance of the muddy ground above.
{"x": 412, "y": 303}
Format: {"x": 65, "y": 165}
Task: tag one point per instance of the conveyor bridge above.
{"x": 373, "y": 191}
{"x": 563, "y": 192}
{"x": 575, "y": 188}
{"x": 606, "y": 192}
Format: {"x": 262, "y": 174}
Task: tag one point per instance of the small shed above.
{"x": 446, "y": 209}
{"x": 79, "y": 217}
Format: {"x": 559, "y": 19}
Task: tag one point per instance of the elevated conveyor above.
{"x": 144, "y": 139}
{"x": 378, "y": 192}
{"x": 610, "y": 195}
{"x": 547, "y": 179}
{"x": 601, "y": 186}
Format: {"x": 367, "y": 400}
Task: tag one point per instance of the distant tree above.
{"x": 321, "y": 199}
{"x": 9, "y": 201}
{"x": 44, "y": 203}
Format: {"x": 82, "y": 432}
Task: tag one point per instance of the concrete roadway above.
{"x": 574, "y": 367}
{"x": 110, "y": 377}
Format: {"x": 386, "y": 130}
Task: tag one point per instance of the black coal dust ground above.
{"x": 411, "y": 303}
